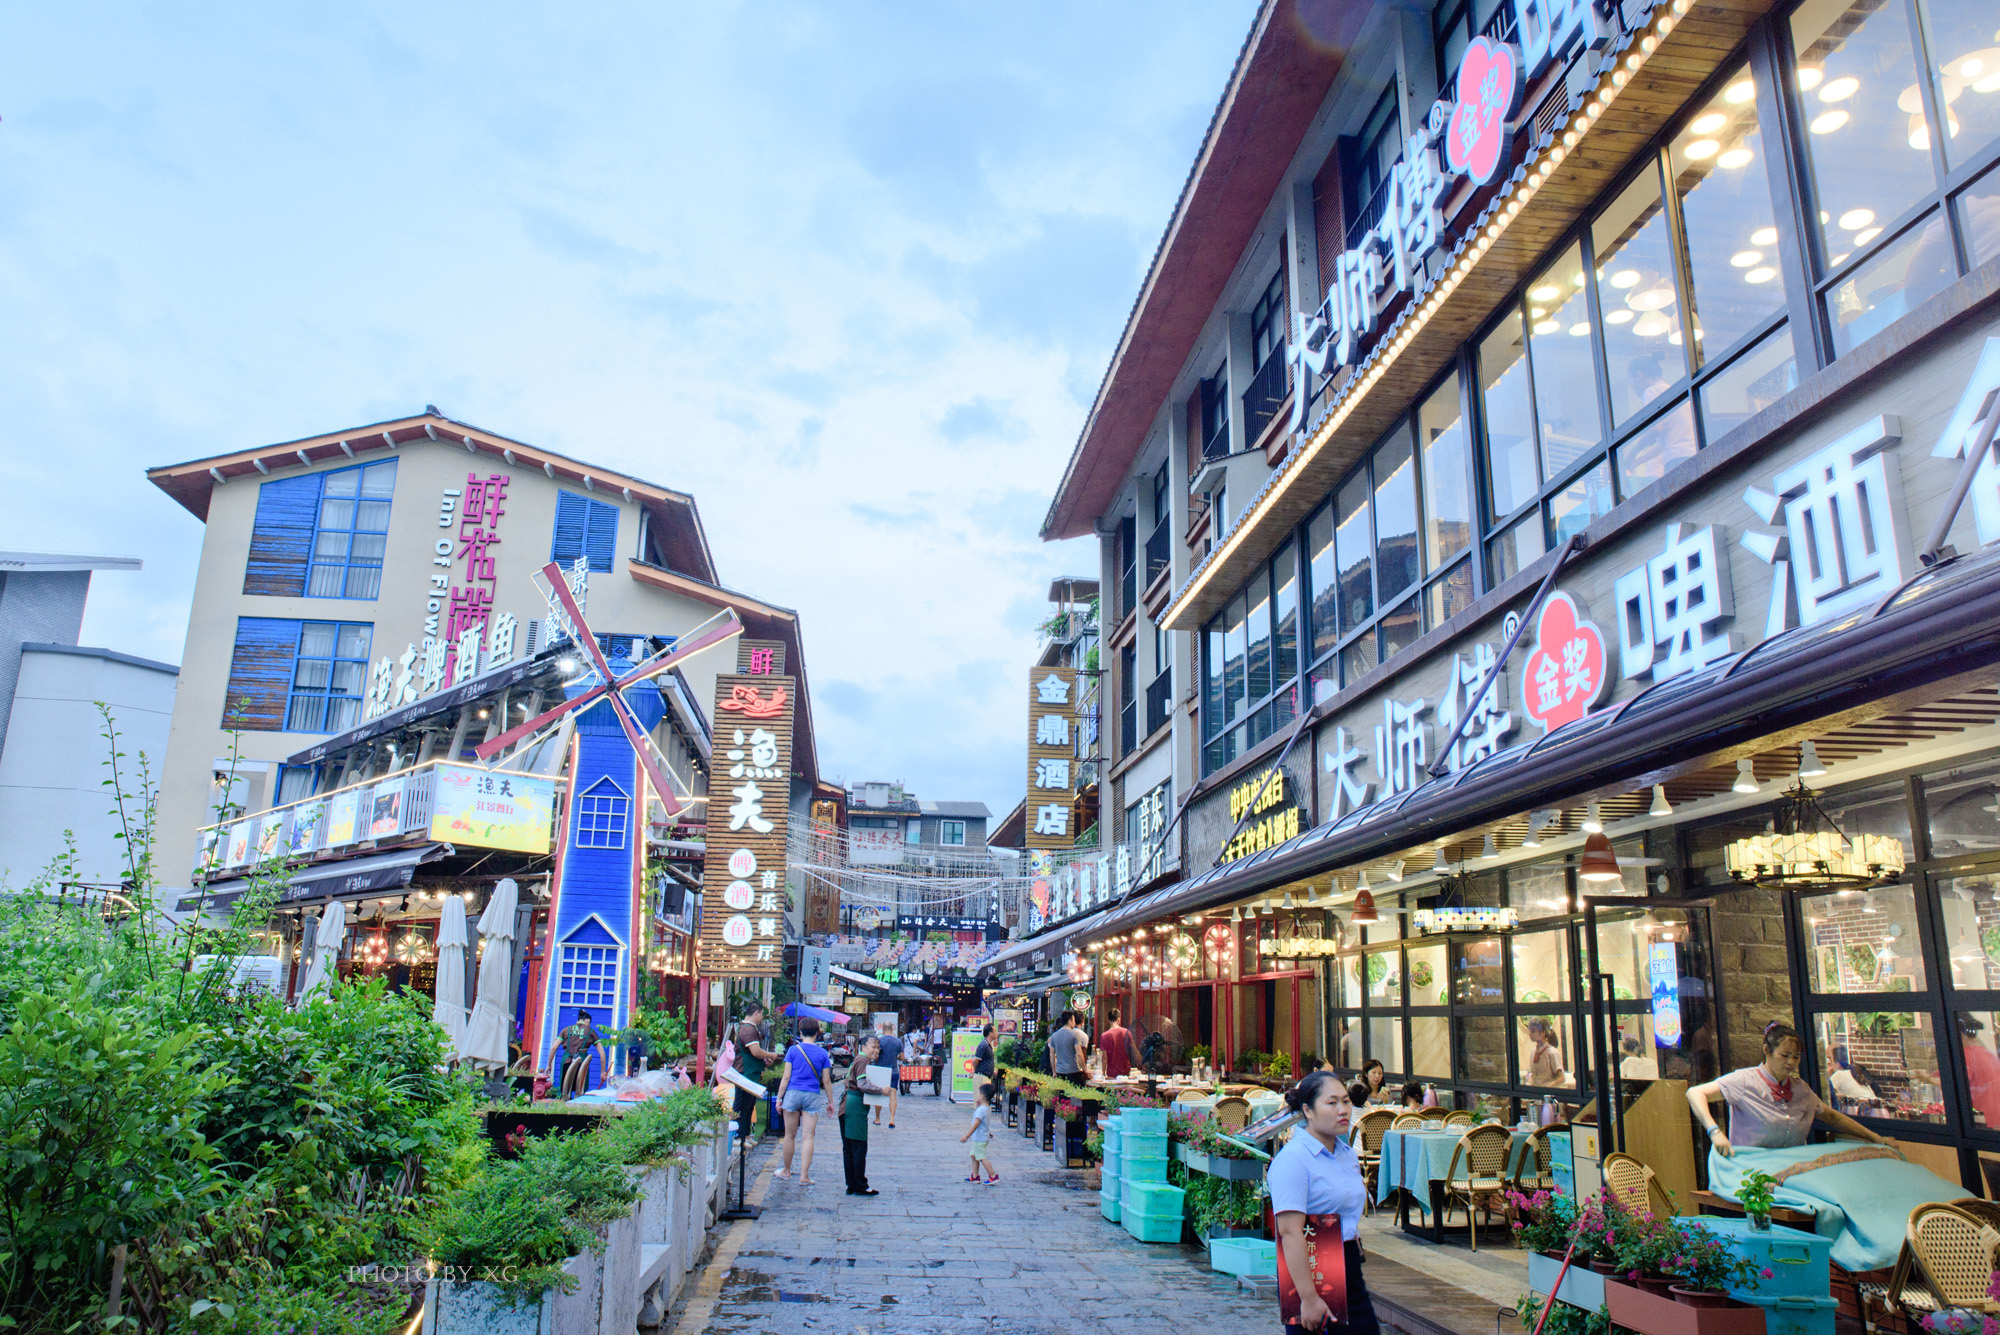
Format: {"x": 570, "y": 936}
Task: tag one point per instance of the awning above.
{"x": 1033, "y": 987}
{"x": 1057, "y": 938}
{"x": 329, "y": 880}
{"x": 908, "y": 992}
{"x": 860, "y": 980}
{"x": 1937, "y": 636}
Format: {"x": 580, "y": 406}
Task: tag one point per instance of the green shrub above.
{"x": 655, "y": 1132}
{"x": 277, "y": 1306}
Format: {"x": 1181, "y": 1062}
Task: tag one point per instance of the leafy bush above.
{"x": 1279, "y": 1065}
{"x": 1232, "y": 1204}
{"x": 656, "y": 1132}
{"x": 277, "y": 1306}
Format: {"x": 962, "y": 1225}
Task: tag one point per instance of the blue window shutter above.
{"x": 260, "y": 674}
{"x": 281, "y": 542}
{"x": 571, "y": 518}
{"x": 602, "y": 540}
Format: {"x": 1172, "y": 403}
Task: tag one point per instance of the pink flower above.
{"x": 1767, "y": 1273}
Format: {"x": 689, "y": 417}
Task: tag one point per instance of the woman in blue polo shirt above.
{"x": 1317, "y": 1173}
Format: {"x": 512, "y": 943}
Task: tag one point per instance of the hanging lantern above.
{"x": 1364, "y": 909}
{"x": 1183, "y": 951}
{"x": 1598, "y": 863}
{"x": 1805, "y": 850}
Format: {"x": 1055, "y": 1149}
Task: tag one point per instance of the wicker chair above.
{"x": 1459, "y": 1118}
{"x": 1407, "y": 1121}
{"x": 1635, "y": 1186}
{"x": 1534, "y": 1170}
{"x": 1984, "y": 1210}
{"x": 1368, "y": 1133}
{"x": 1477, "y": 1176}
{"x": 1232, "y": 1113}
{"x": 1953, "y": 1248}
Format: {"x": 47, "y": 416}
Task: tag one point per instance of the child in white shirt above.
{"x": 979, "y": 1133}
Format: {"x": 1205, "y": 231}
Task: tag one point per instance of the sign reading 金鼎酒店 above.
{"x": 1052, "y": 776}
{"x": 491, "y": 809}
{"x": 749, "y": 802}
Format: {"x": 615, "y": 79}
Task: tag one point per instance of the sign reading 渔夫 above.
{"x": 1052, "y": 776}
{"x": 749, "y": 803}
{"x": 492, "y": 809}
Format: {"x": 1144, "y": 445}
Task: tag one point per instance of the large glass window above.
{"x": 327, "y": 676}
{"x": 1512, "y": 478}
{"x": 1385, "y": 1042}
{"x": 1963, "y": 40}
{"x": 1395, "y": 470}
{"x": 1879, "y": 1064}
{"x": 1970, "y": 906}
{"x": 1565, "y": 372}
{"x": 1717, "y": 166}
{"x": 1255, "y": 642}
{"x": 1354, "y": 547}
{"x": 1639, "y": 296}
{"x": 352, "y": 532}
{"x": 1430, "y": 1047}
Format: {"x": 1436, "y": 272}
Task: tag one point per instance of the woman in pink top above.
{"x": 1770, "y": 1105}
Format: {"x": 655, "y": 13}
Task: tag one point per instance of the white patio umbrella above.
{"x": 326, "y": 949}
{"x": 493, "y": 1008}
{"x": 449, "y": 1008}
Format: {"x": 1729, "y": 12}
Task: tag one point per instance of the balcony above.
{"x": 1158, "y": 550}
{"x": 1159, "y": 702}
{"x": 1266, "y": 393}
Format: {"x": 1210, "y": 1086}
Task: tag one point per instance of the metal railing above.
{"x": 1370, "y": 213}
{"x": 1159, "y": 702}
{"x": 1215, "y": 444}
{"x": 379, "y": 809}
{"x": 1501, "y": 26}
{"x": 1267, "y": 392}
{"x": 1158, "y": 551}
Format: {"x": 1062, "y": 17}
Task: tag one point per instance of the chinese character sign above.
{"x": 1052, "y": 769}
{"x": 1668, "y": 608}
{"x": 1565, "y": 674}
{"x": 744, "y": 898}
{"x": 492, "y": 809}
{"x": 1489, "y": 93}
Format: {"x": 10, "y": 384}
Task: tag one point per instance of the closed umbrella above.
{"x": 449, "y": 1008}
{"x": 493, "y": 1007}
{"x": 326, "y": 949}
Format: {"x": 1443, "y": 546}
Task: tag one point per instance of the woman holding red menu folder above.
{"x": 1317, "y": 1195}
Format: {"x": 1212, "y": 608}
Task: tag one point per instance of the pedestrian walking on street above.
{"x": 1067, "y": 1046}
{"x": 980, "y": 1133}
{"x": 751, "y": 1055}
{"x": 1317, "y": 1174}
{"x": 892, "y": 1057}
{"x": 982, "y": 1056}
{"x": 854, "y": 1119}
{"x": 808, "y": 1092}
{"x": 1120, "y": 1050}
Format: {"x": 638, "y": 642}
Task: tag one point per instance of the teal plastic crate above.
{"x": 1152, "y": 1168}
{"x": 1143, "y": 1142}
{"x": 1142, "y": 1119}
{"x": 1152, "y": 1228}
{"x": 1109, "y": 1206}
{"x": 1156, "y": 1198}
{"x": 1798, "y": 1260}
{"x": 1795, "y": 1316}
{"x": 1115, "y": 1122}
{"x": 1111, "y": 1178}
{"x": 1243, "y": 1256}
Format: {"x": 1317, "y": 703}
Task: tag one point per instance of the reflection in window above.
{"x": 1510, "y": 427}
{"x": 1564, "y": 372}
{"x": 1572, "y": 508}
{"x": 1856, "y": 72}
{"x": 1864, "y": 941}
{"x": 1750, "y": 384}
{"x": 1517, "y": 549}
{"x": 1447, "y": 496}
{"x": 1661, "y": 444}
{"x": 1481, "y": 1048}
{"x": 1401, "y": 626}
{"x": 1284, "y": 574}
{"x": 1429, "y": 985}
{"x": 1381, "y": 975}
{"x": 1966, "y": 75}
{"x": 1979, "y": 217}
{"x": 1971, "y": 906}
{"x": 1395, "y": 514}
{"x": 1538, "y": 891}
{"x": 1977, "y": 1034}
{"x": 1451, "y": 595}
{"x": 1883, "y": 809}
{"x": 1430, "y": 1047}
{"x": 1544, "y": 1049}
{"x": 1325, "y": 587}
{"x": 1890, "y": 285}
{"x": 1258, "y": 628}
{"x": 1354, "y": 547}
{"x": 1639, "y": 1053}
{"x": 1475, "y": 972}
{"x": 1638, "y": 298}
{"x": 1725, "y": 197}
{"x": 1541, "y": 959}
{"x": 1385, "y": 1042}
{"x": 1879, "y": 1064}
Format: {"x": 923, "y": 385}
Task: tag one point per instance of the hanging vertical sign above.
{"x": 1052, "y": 769}
{"x": 749, "y": 805}
{"x": 1664, "y": 967}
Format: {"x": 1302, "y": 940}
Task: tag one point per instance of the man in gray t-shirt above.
{"x": 1066, "y": 1047}
{"x": 892, "y": 1057}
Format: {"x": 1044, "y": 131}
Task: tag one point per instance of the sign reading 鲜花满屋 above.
{"x": 492, "y": 809}
{"x": 748, "y": 813}
{"x": 1052, "y": 765}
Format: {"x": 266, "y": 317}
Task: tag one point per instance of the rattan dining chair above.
{"x": 1985, "y": 1210}
{"x": 1459, "y": 1118}
{"x": 1368, "y": 1133}
{"x": 1232, "y": 1113}
{"x": 1635, "y": 1186}
{"x": 1477, "y": 1176}
{"x": 1954, "y": 1249}
{"x": 1407, "y": 1121}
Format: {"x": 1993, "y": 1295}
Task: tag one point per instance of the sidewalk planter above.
{"x": 1072, "y": 1143}
{"x": 501, "y": 1121}
{"x": 1231, "y": 1170}
{"x": 1029, "y": 1110}
{"x": 1048, "y": 1128}
{"x": 481, "y": 1309}
{"x": 1638, "y": 1310}
{"x": 1581, "y": 1287}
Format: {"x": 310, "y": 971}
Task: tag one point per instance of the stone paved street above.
{"x": 933, "y": 1252}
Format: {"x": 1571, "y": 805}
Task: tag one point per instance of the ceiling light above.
{"x": 1709, "y": 122}
{"x": 1533, "y": 839}
{"x": 1809, "y": 77}
{"x": 1743, "y": 259}
{"x": 1593, "y": 820}
{"x": 1546, "y": 292}
{"x": 1764, "y": 236}
{"x": 1809, "y": 766}
{"x": 1839, "y": 90}
{"x": 1625, "y": 278}
{"x": 1651, "y": 325}
{"x": 1855, "y": 219}
{"x": 1265, "y": 908}
{"x": 1701, "y": 149}
{"x": 1746, "y": 778}
{"x": 1739, "y": 92}
{"x": 1660, "y": 807}
{"x": 1763, "y": 275}
{"x": 1599, "y": 863}
{"x": 1364, "y": 909}
{"x": 1361, "y": 881}
{"x": 1618, "y": 317}
{"x": 1579, "y": 329}
{"x": 1394, "y": 871}
{"x": 1866, "y": 234}
{"x": 1236, "y": 914}
{"x": 1290, "y": 903}
{"x": 1734, "y": 158}
{"x": 1657, "y": 297}
{"x": 1489, "y": 848}
{"x": 1546, "y": 326}
{"x": 1438, "y": 864}
{"x": 1828, "y": 121}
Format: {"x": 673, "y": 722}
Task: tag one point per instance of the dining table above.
{"x": 1415, "y": 1161}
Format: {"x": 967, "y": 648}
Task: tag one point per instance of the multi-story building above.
{"x": 370, "y": 611}
{"x": 1534, "y": 421}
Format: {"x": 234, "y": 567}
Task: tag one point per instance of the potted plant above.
{"x": 1645, "y": 1247}
{"x": 1591, "y": 1239}
{"x": 1755, "y": 1196}
{"x": 1279, "y": 1065}
{"x": 1708, "y": 1268}
{"x": 1546, "y": 1220}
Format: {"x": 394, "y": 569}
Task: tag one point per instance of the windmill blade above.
{"x": 642, "y": 746}
{"x": 553, "y": 573}
{"x": 487, "y": 750}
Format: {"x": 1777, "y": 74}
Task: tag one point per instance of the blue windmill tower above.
{"x": 596, "y": 912}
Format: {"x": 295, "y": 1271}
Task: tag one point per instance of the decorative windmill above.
{"x": 611, "y": 687}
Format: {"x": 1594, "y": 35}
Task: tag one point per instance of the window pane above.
{"x": 345, "y": 482}
{"x": 1401, "y": 627}
{"x": 1359, "y": 658}
{"x": 1961, "y": 806}
{"x": 1750, "y": 384}
{"x": 1883, "y": 809}
{"x": 311, "y": 674}
{"x": 1864, "y": 941}
{"x": 364, "y": 581}
{"x": 1259, "y": 634}
{"x": 1232, "y": 648}
{"x": 369, "y": 547}
{"x": 316, "y": 639}
{"x": 1517, "y": 549}
{"x": 1481, "y": 1048}
{"x": 1475, "y": 972}
{"x": 1396, "y": 514}
{"x": 1890, "y": 285}
{"x": 347, "y": 678}
{"x": 1884, "y": 1063}
{"x": 306, "y": 714}
{"x": 336, "y": 514}
{"x": 1660, "y": 445}
{"x": 1430, "y": 984}
{"x": 1979, "y": 214}
{"x": 1725, "y": 192}
{"x": 379, "y": 480}
{"x": 1961, "y": 38}
{"x": 1216, "y": 652}
{"x": 1285, "y": 570}
{"x": 1381, "y": 975}
{"x": 1856, "y": 71}
{"x": 1510, "y": 426}
{"x": 326, "y": 581}
{"x": 1430, "y": 1047}
{"x": 1354, "y": 543}
{"x": 1572, "y": 508}
{"x": 1543, "y": 1048}
{"x": 1325, "y": 589}
{"x": 1447, "y": 500}
{"x": 1450, "y": 594}
{"x": 342, "y": 714}
{"x": 331, "y": 546}
{"x": 1976, "y": 1035}
{"x": 1565, "y": 371}
{"x": 1343, "y": 1038}
{"x": 1972, "y": 932}
{"x": 372, "y": 516}
{"x": 352, "y": 642}
{"x": 1385, "y": 1043}
{"x": 1635, "y": 290}
{"x": 1538, "y": 891}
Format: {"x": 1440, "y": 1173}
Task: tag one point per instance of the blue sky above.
{"x": 850, "y": 273}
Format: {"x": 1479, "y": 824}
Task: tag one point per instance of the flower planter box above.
{"x": 1230, "y": 1170}
{"x": 1029, "y": 1110}
{"x": 501, "y": 1121}
{"x": 1581, "y": 1287}
{"x": 1048, "y": 1128}
{"x": 1635, "y": 1309}
{"x": 481, "y": 1309}
{"x": 1073, "y": 1143}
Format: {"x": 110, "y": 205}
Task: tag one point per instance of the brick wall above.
{"x": 1752, "y": 967}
